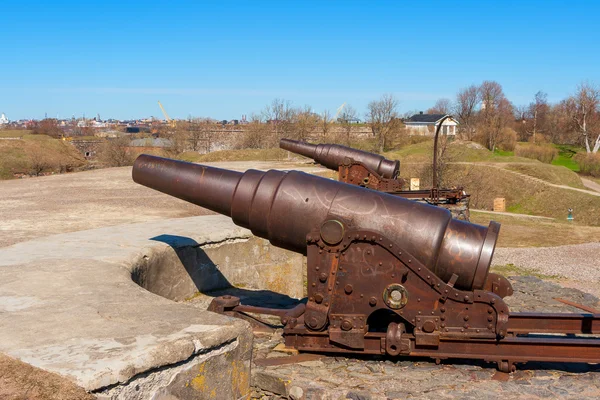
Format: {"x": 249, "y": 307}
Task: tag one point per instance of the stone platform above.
{"x": 76, "y": 304}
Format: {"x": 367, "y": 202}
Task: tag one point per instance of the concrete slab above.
{"x": 68, "y": 305}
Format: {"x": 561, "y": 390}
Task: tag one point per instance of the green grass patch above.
{"x": 565, "y": 156}
{"x": 514, "y": 270}
{"x": 504, "y": 153}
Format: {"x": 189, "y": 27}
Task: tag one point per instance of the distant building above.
{"x": 4, "y": 120}
{"x": 426, "y": 124}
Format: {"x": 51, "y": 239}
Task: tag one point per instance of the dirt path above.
{"x": 36, "y": 207}
{"x": 590, "y": 184}
{"x": 512, "y": 214}
{"x": 532, "y": 178}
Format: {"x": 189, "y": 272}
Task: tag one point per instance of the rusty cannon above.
{"x": 375, "y": 172}
{"x": 386, "y": 275}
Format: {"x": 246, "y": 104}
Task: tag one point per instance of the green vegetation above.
{"x": 513, "y": 270}
{"x": 565, "y": 156}
{"x": 504, "y": 153}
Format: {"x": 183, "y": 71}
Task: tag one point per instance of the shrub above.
{"x": 542, "y": 152}
{"x": 589, "y": 164}
{"x": 507, "y": 140}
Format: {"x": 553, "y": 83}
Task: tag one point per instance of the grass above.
{"x": 514, "y": 270}
{"x": 565, "y": 156}
{"x": 504, "y": 153}
{"x": 519, "y": 231}
{"x": 550, "y": 173}
{"x": 13, "y": 133}
{"x": 17, "y": 156}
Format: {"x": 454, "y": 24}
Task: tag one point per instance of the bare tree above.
{"x": 326, "y": 122}
{"x": 582, "y": 107}
{"x": 383, "y": 119}
{"x": 496, "y": 113}
{"x": 465, "y": 111}
{"x": 346, "y": 117}
{"x": 305, "y": 122}
{"x": 257, "y": 135}
{"x": 279, "y": 114}
{"x": 537, "y": 113}
{"x": 116, "y": 152}
{"x": 442, "y": 106}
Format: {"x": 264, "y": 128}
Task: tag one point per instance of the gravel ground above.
{"x": 578, "y": 263}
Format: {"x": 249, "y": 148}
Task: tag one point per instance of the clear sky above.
{"x": 225, "y": 58}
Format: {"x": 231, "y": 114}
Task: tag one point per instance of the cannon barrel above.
{"x": 285, "y": 206}
{"x": 332, "y": 155}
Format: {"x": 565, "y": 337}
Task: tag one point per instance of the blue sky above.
{"x": 226, "y": 58}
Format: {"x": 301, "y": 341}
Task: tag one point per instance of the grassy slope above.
{"x": 565, "y": 157}
{"x": 530, "y": 232}
{"x": 484, "y": 180}
{"x": 16, "y": 155}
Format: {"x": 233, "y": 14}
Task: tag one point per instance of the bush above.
{"x": 589, "y": 164}
{"x": 542, "y": 152}
{"x": 507, "y": 140}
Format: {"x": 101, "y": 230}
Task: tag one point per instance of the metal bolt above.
{"x": 323, "y": 277}
{"x": 346, "y": 325}
{"x": 348, "y": 289}
{"x": 372, "y": 301}
{"x": 318, "y": 298}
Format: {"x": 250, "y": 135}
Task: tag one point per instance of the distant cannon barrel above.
{"x": 285, "y": 206}
{"x": 332, "y": 155}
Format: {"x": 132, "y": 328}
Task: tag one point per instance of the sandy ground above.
{"x": 37, "y": 207}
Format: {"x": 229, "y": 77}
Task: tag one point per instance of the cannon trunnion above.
{"x": 385, "y": 275}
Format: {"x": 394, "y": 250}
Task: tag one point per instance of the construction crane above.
{"x": 171, "y": 122}
{"x": 339, "y": 111}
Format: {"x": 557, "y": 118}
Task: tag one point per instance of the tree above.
{"x": 48, "y": 126}
{"x": 326, "y": 123}
{"x": 582, "y": 108}
{"x": 383, "y": 119}
{"x": 496, "y": 113}
{"x": 305, "y": 122}
{"x": 346, "y": 117}
{"x": 537, "y": 113}
{"x": 465, "y": 111}
{"x": 442, "y": 106}
{"x": 116, "y": 152}
{"x": 279, "y": 114}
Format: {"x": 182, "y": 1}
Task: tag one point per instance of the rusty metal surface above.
{"x": 284, "y": 207}
{"x": 332, "y": 155}
{"x": 577, "y": 305}
{"x": 385, "y": 275}
{"x": 365, "y": 169}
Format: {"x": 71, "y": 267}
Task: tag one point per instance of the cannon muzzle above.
{"x": 333, "y": 155}
{"x": 285, "y": 206}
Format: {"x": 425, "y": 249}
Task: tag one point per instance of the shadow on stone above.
{"x": 163, "y": 276}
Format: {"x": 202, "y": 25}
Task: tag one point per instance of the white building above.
{"x": 3, "y": 119}
{"x": 426, "y": 124}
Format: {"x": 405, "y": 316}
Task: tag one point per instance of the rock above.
{"x": 296, "y": 393}
{"x": 358, "y": 396}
